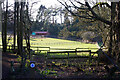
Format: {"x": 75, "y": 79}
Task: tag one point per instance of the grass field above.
{"x": 62, "y": 44}
{"x": 57, "y": 43}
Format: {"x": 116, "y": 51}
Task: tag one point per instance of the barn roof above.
{"x": 41, "y": 32}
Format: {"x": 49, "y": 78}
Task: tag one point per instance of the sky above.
{"x": 47, "y": 3}
{"x": 55, "y": 3}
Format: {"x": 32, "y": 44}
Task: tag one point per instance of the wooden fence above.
{"x": 10, "y": 47}
{"x": 68, "y": 52}
{"x": 60, "y": 50}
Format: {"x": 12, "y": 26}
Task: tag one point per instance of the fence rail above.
{"x": 49, "y": 49}
{"x": 68, "y": 52}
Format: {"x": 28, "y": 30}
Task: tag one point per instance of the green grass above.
{"x": 64, "y": 44}
{"x": 56, "y": 43}
{"x": 59, "y": 43}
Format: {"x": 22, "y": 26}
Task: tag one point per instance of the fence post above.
{"x": 98, "y": 58}
{"x": 76, "y": 51}
{"x": 46, "y": 58}
{"x": 47, "y": 54}
{"x": 37, "y": 50}
{"x": 68, "y": 58}
{"x": 9, "y": 48}
{"x": 49, "y": 49}
{"x": 89, "y": 57}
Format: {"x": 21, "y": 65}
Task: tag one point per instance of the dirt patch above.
{"x": 74, "y": 68}
{"x": 6, "y": 64}
{"x": 47, "y": 68}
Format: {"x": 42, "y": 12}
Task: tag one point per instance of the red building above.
{"x": 41, "y": 33}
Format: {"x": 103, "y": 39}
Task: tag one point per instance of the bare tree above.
{"x": 90, "y": 14}
{"x": 4, "y": 29}
{"x": 18, "y": 24}
{"x": 14, "y": 41}
{"x": 0, "y": 16}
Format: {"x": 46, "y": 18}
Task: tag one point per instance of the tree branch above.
{"x": 77, "y": 6}
{"x": 80, "y": 2}
{"x": 101, "y": 3}
{"x": 96, "y": 16}
{"x": 74, "y": 14}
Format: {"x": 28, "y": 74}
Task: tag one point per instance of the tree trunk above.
{"x": 28, "y": 31}
{"x": 14, "y": 41}
{"x": 116, "y": 27}
{"x": 21, "y": 35}
{"x": 111, "y": 29}
{"x": 0, "y": 17}
{"x": 21, "y": 29}
{"x": 4, "y": 29}
{"x": 18, "y": 47}
{"x": 110, "y": 42}
{"x": 28, "y": 45}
